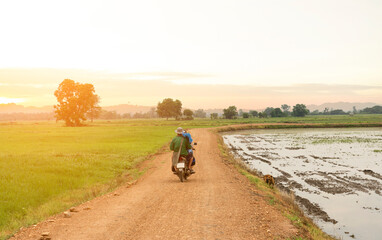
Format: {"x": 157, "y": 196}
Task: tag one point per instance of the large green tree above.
{"x": 75, "y": 102}
{"x": 300, "y": 110}
{"x": 230, "y": 112}
{"x": 169, "y": 108}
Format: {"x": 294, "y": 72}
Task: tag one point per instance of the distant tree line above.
{"x": 299, "y": 110}
{"x": 332, "y": 112}
{"x": 372, "y": 110}
{"x": 111, "y": 115}
{"x": 78, "y": 102}
{"x": 170, "y": 108}
{"x": 187, "y": 114}
{"x": 231, "y": 112}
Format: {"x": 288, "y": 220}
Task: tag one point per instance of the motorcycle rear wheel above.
{"x": 181, "y": 175}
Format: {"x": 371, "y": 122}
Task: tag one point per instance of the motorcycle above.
{"x": 181, "y": 169}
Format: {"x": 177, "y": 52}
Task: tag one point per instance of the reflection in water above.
{"x": 336, "y": 174}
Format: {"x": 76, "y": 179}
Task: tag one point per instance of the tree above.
{"x": 188, "y": 114}
{"x": 245, "y": 115}
{"x": 253, "y": 113}
{"x": 126, "y": 115}
{"x": 109, "y": 115}
{"x": 94, "y": 112}
{"x": 169, "y": 108}
{"x": 338, "y": 112}
{"x": 285, "y": 108}
{"x": 268, "y": 111}
{"x": 152, "y": 113}
{"x": 230, "y": 112}
{"x": 214, "y": 116}
{"x": 373, "y": 110}
{"x": 326, "y": 111}
{"x": 277, "y": 113}
{"x": 300, "y": 110}
{"x": 262, "y": 115}
{"x": 355, "y": 110}
{"x": 75, "y": 102}
{"x": 200, "y": 113}
{"x": 315, "y": 112}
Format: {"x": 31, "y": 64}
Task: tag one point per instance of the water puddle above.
{"x": 336, "y": 174}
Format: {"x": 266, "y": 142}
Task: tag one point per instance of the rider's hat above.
{"x": 179, "y": 130}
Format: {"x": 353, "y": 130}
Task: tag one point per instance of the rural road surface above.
{"x": 215, "y": 203}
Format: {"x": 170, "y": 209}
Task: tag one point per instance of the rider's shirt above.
{"x": 188, "y": 135}
{"x": 175, "y": 145}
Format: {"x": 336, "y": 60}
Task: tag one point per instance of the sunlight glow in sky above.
{"x": 274, "y": 43}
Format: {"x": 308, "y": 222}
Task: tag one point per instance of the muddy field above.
{"x": 336, "y": 174}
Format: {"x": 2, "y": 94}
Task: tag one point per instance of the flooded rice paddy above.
{"x": 335, "y": 174}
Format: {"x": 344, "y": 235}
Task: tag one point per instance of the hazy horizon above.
{"x": 117, "y": 89}
{"x": 208, "y": 54}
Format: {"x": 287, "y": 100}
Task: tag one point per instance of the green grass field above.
{"x": 45, "y": 168}
{"x": 319, "y": 119}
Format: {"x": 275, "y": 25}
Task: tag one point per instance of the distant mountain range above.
{"x": 14, "y": 108}
{"x": 127, "y": 108}
{"x": 346, "y": 106}
{"x": 121, "y": 109}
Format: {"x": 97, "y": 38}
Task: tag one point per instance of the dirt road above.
{"x": 215, "y": 203}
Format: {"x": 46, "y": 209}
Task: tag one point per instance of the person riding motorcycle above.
{"x": 182, "y": 143}
{"x": 190, "y": 157}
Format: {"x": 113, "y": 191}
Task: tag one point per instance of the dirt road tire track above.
{"x": 215, "y": 203}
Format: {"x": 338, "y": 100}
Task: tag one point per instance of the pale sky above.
{"x": 249, "y": 53}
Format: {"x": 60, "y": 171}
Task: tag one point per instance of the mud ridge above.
{"x": 314, "y": 210}
{"x": 371, "y": 173}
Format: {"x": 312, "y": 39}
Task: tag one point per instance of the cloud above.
{"x": 37, "y": 86}
{"x": 4, "y": 100}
